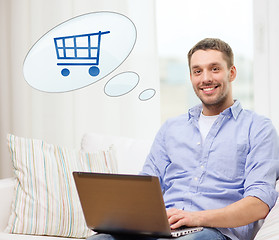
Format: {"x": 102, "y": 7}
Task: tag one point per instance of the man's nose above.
{"x": 206, "y": 77}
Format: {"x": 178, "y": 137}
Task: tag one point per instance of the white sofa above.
{"x": 131, "y": 155}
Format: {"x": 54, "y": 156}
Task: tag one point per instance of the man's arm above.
{"x": 240, "y": 213}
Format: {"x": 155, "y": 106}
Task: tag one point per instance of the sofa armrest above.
{"x": 6, "y": 193}
{"x": 270, "y": 228}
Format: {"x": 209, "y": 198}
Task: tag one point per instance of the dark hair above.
{"x": 213, "y": 44}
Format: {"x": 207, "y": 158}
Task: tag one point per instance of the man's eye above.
{"x": 215, "y": 69}
{"x": 197, "y": 71}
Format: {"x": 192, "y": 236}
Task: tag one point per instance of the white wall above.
{"x": 266, "y": 52}
{"x": 63, "y": 118}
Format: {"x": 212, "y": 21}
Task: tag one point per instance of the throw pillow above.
{"x": 45, "y": 199}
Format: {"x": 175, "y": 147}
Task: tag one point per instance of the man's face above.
{"x": 211, "y": 78}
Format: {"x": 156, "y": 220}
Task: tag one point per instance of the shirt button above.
{"x": 198, "y": 143}
{"x": 202, "y": 166}
{"x": 196, "y": 179}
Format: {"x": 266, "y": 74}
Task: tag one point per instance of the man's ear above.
{"x": 233, "y": 73}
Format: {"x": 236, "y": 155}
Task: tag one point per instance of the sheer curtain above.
{"x": 266, "y": 51}
{"x": 63, "y": 118}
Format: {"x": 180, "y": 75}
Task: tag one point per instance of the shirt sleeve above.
{"x": 262, "y": 163}
{"x": 157, "y": 160}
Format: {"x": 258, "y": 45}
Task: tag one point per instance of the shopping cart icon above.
{"x": 79, "y": 50}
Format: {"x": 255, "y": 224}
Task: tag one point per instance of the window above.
{"x": 180, "y": 25}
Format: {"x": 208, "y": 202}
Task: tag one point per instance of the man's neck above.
{"x": 211, "y": 110}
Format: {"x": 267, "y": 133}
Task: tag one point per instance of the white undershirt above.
{"x": 205, "y": 123}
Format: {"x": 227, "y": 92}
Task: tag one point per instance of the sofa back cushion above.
{"x": 45, "y": 198}
{"x": 130, "y": 153}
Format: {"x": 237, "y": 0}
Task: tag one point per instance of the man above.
{"x": 217, "y": 164}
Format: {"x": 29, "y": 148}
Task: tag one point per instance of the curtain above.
{"x": 266, "y": 50}
{"x": 62, "y": 118}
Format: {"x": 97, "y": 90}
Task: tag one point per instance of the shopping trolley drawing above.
{"x": 79, "y": 50}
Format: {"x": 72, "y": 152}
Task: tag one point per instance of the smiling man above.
{"x": 218, "y": 164}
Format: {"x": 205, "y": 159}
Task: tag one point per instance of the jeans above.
{"x": 206, "y": 234}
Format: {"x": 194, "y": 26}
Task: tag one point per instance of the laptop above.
{"x": 125, "y": 204}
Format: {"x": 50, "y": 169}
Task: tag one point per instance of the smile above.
{"x": 208, "y": 89}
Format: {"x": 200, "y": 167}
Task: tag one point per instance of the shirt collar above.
{"x": 234, "y": 111}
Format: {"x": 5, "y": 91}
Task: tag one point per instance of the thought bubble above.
{"x": 121, "y": 84}
{"x": 147, "y": 94}
{"x": 79, "y": 52}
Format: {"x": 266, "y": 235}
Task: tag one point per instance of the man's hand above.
{"x": 240, "y": 213}
{"x": 178, "y": 218}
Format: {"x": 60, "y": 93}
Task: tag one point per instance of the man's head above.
{"x": 211, "y": 73}
{"x": 213, "y": 44}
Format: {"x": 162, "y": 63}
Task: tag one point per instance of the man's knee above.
{"x": 206, "y": 234}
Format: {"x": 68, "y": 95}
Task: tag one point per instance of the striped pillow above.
{"x": 45, "y": 199}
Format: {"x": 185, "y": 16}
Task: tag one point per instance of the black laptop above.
{"x": 125, "y": 204}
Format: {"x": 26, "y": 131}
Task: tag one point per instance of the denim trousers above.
{"x": 206, "y": 234}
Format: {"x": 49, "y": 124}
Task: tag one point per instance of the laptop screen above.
{"x": 122, "y": 203}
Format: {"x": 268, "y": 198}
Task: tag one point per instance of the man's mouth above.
{"x": 208, "y": 89}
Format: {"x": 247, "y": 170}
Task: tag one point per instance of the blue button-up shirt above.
{"x": 238, "y": 158}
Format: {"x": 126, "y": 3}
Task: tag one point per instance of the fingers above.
{"x": 172, "y": 211}
{"x": 178, "y": 224}
{"x": 177, "y": 221}
{"x": 176, "y": 218}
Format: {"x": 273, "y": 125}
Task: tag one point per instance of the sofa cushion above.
{"x": 130, "y": 153}
{"x": 45, "y": 199}
{"x": 9, "y": 236}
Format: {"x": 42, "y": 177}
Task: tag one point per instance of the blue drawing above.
{"x": 79, "y": 50}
